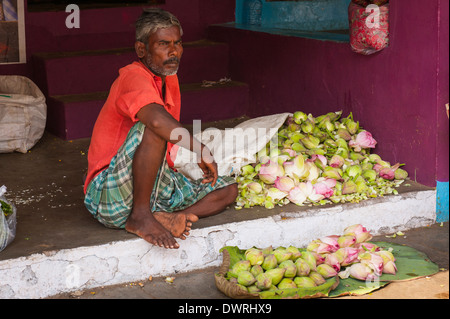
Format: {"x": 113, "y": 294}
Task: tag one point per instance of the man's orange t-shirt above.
{"x": 135, "y": 87}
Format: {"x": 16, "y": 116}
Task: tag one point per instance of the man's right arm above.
{"x": 158, "y": 120}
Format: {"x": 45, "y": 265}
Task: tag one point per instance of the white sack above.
{"x": 23, "y": 114}
{"x": 233, "y": 147}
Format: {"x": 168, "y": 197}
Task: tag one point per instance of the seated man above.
{"x": 130, "y": 183}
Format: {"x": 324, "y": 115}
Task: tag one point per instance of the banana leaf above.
{"x": 411, "y": 264}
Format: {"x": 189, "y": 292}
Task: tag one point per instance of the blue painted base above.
{"x": 442, "y": 202}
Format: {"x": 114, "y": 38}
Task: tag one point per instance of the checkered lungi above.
{"x": 109, "y": 196}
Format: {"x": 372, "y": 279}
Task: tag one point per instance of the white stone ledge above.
{"x": 54, "y": 272}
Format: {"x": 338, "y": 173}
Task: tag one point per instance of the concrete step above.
{"x": 72, "y": 116}
{"x": 79, "y": 72}
{"x": 129, "y": 259}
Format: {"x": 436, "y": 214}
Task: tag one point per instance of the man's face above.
{"x": 163, "y": 51}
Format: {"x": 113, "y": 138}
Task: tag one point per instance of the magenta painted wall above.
{"x": 111, "y": 28}
{"x": 397, "y": 94}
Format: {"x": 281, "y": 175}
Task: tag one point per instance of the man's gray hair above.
{"x": 153, "y": 19}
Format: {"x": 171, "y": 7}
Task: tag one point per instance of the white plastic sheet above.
{"x": 233, "y": 147}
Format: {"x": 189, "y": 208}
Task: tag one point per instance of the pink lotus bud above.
{"x": 319, "y": 258}
{"x": 346, "y": 241}
{"x": 350, "y": 255}
{"x": 319, "y": 160}
{"x": 296, "y": 167}
{"x": 332, "y": 241}
{"x": 276, "y": 194}
{"x": 269, "y": 172}
{"x": 386, "y": 255}
{"x": 284, "y": 183}
{"x": 297, "y": 196}
{"x": 336, "y": 161}
{"x": 389, "y": 172}
{"x": 361, "y": 271}
{"x": 333, "y": 261}
{"x": 373, "y": 261}
{"x": 359, "y": 232}
{"x": 363, "y": 140}
{"x": 323, "y": 189}
{"x": 314, "y": 171}
{"x": 390, "y": 268}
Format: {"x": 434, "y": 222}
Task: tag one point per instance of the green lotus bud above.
{"x": 310, "y": 259}
{"x": 353, "y": 171}
{"x": 242, "y": 265}
{"x": 361, "y": 185}
{"x": 256, "y": 270}
{"x": 366, "y": 165}
{"x": 400, "y": 174}
{"x": 255, "y": 256}
{"x": 276, "y": 274}
{"x": 311, "y": 141}
{"x": 242, "y": 287}
{"x": 267, "y": 251}
{"x": 355, "y": 156}
{"x": 289, "y": 266}
{"x": 303, "y": 268}
{"x": 298, "y": 147}
{"x": 247, "y": 170}
{"x": 281, "y": 254}
{"x": 332, "y": 172}
{"x": 268, "y": 204}
{"x": 245, "y": 278}
{"x": 370, "y": 175}
{"x": 299, "y": 117}
{"x": 254, "y": 187}
{"x": 253, "y": 289}
{"x": 286, "y": 283}
{"x": 270, "y": 262}
{"x": 304, "y": 282}
{"x": 326, "y": 271}
{"x": 296, "y": 136}
{"x": 341, "y": 143}
{"x": 317, "y": 278}
{"x": 349, "y": 187}
{"x": 344, "y": 134}
{"x": 374, "y": 158}
{"x": 293, "y": 127}
{"x": 295, "y": 252}
{"x": 352, "y": 126}
{"x": 307, "y": 127}
{"x": 272, "y": 288}
{"x": 263, "y": 281}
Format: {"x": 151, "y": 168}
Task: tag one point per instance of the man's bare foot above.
{"x": 179, "y": 224}
{"x": 145, "y": 225}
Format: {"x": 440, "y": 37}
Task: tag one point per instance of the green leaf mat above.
{"x": 411, "y": 264}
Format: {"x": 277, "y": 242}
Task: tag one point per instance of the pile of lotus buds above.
{"x": 316, "y": 161}
{"x": 348, "y": 255}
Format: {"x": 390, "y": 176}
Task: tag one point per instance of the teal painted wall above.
{"x": 317, "y": 15}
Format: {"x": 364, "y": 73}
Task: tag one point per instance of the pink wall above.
{"x": 111, "y": 28}
{"x": 397, "y": 94}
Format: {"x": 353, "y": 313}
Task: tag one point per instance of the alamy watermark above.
{"x": 373, "y": 20}
{"x": 73, "y": 19}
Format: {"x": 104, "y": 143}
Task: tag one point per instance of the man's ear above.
{"x": 140, "y": 49}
